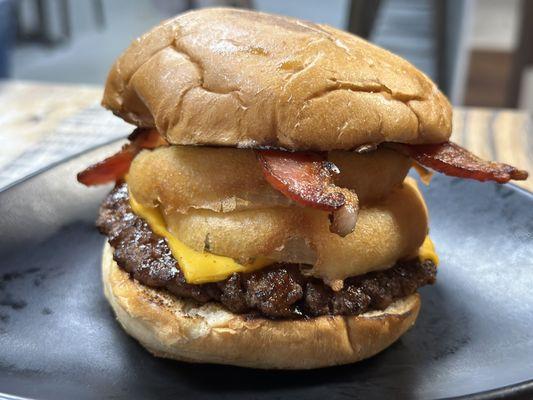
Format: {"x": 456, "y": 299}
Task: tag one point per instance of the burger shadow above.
{"x": 210, "y": 380}
{"x": 406, "y": 369}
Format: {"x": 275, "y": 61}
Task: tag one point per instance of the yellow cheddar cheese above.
{"x": 427, "y": 251}
{"x": 203, "y": 267}
{"x": 198, "y": 267}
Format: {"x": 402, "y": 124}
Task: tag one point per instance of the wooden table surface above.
{"x": 37, "y": 116}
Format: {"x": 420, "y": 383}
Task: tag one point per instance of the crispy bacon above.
{"x": 306, "y": 178}
{"x": 451, "y": 159}
{"x": 115, "y": 167}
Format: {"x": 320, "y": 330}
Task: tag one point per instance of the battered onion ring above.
{"x": 183, "y": 178}
{"x": 390, "y": 230}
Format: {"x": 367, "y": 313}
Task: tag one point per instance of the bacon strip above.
{"x": 115, "y": 167}
{"x": 306, "y": 178}
{"x": 451, "y": 159}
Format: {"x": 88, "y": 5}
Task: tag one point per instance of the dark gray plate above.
{"x": 58, "y": 337}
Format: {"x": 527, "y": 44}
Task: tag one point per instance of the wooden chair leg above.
{"x": 65, "y": 19}
{"x": 440, "y": 36}
{"x": 44, "y": 23}
{"x": 523, "y": 55}
{"x": 99, "y": 14}
{"x": 247, "y": 4}
{"x": 362, "y": 16}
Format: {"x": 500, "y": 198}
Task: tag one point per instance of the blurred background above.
{"x": 480, "y": 52}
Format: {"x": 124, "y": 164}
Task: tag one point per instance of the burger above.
{"x": 262, "y": 215}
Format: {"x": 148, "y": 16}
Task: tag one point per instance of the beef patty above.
{"x": 278, "y": 291}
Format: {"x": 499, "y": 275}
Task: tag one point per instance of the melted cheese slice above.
{"x": 198, "y": 267}
{"x": 427, "y": 251}
{"x": 202, "y": 267}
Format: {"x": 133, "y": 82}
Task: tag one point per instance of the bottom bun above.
{"x": 182, "y": 329}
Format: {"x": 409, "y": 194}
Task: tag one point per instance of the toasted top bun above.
{"x": 184, "y": 330}
{"x": 247, "y": 79}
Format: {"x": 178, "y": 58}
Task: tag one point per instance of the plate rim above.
{"x": 516, "y": 390}
{"x": 57, "y": 163}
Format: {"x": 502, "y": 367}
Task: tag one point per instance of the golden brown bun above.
{"x": 245, "y": 79}
{"x": 182, "y": 330}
